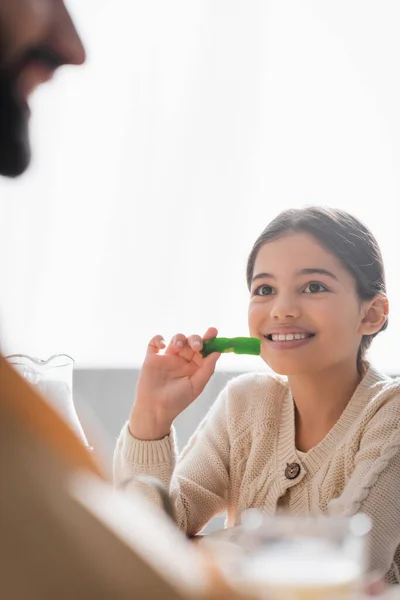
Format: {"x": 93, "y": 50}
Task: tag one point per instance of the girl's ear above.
{"x": 375, "y": 314}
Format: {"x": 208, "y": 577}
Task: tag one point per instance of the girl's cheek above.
{"x": 257, "y": 312}
{"x": 250, "y": 313}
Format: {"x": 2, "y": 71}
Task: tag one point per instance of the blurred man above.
{"x": 52, "y": 545}
{"x": 36, "y": 38}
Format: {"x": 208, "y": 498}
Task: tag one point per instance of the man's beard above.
{"x": 15, "y": 152}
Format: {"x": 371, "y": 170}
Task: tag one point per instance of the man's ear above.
{"x": 375, "y": 314}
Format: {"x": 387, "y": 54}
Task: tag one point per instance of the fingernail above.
{"x": 179, "y": 343}
{"x": 197, "y": 343}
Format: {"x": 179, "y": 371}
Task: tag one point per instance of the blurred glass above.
{"x": 300, "y": 558}
{"x": 53, "y": 379}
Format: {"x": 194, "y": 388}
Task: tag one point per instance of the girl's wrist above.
{"x": 147, "y": 426}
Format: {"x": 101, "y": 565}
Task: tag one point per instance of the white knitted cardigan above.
{"x": 243, "y": 455}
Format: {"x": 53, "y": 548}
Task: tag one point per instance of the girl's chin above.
{"x": 288, "y": 368}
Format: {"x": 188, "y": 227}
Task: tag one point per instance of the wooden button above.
{"x": 292, "y": 471}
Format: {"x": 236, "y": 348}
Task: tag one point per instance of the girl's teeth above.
{"x": 281, "y": 337}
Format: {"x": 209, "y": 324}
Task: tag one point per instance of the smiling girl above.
{"x": 321, "y": 435}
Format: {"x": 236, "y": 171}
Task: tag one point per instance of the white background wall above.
{"x": 158, "y": 164}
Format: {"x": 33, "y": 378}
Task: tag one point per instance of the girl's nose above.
{"x": 285, "y": 308}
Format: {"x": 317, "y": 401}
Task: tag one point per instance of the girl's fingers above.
{"x": 211, "y": 332}
{"x": 155, "y": 345}
{"x": 195, "y": 342}
{"x": 206, "y": 370}
{"x": 190, "y": 347}
{"x": 197, "y": 345}
{"x": 177, "y": 344}
{"x": 375, "y": 585}
{"x": 211, "y": 361}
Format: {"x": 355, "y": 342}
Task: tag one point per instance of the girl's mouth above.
{"x": 288, "y": 337}
{"x": 288, "y": 341}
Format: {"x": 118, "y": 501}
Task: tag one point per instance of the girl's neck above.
{"x": 320, "y": 399}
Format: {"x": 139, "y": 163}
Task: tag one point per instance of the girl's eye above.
{"x": 263, "y": 290}
{"x": 314, "y": 288}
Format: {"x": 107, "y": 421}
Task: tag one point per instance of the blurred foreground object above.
{"x": 53, "y": 378}
{"x": 65, "y": 533}
{"x": 298, "y": 558}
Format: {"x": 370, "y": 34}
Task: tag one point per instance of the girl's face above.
{"x": 304, "y": 306}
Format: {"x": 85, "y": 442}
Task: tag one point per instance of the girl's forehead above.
{"x": 297, "y": 251}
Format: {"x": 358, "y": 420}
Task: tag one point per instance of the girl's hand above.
{"x": 169, "y": 382}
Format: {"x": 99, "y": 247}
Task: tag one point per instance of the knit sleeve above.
{"x": 136, "y": 457}
{"x": 374, "y": 489}
{"x": 198, "y": 484}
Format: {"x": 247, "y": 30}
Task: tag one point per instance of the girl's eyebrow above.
{"x": 308, "y": 271}
{"x": 317, "y": 271}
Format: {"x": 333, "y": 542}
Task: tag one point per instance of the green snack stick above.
{"x": 238, "y": 345}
